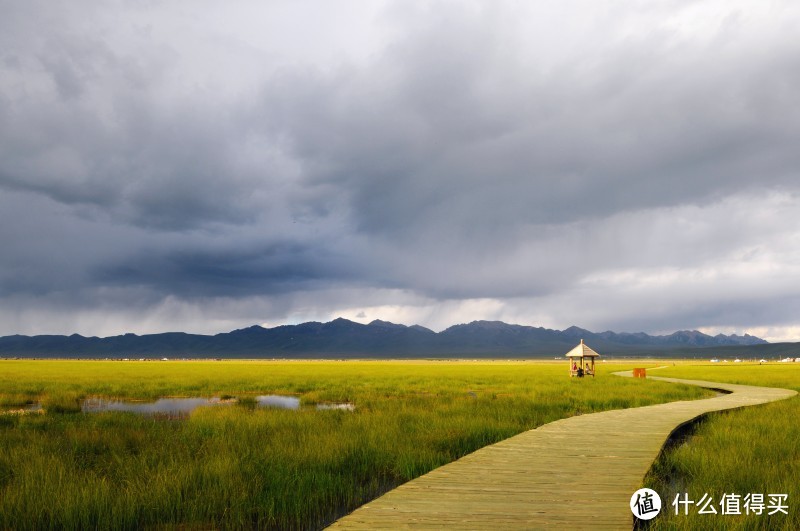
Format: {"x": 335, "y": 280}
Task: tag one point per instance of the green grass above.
{"x": 246, "y": 467}
{"x": 752, "y": 450}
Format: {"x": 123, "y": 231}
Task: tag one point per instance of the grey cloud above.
{"x": 459, "y": 135}
{"x": 680, "y": 309}
{"x": 85, "y": 123}
{"x": 464, "y": 159}
{"x": 239, "y": 272}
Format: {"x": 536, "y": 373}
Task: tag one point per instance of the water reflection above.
{"x": 278, "y": 401}
{"x": 293, "y": 402}
{"x": 179, "y": 407}
{"x": 162, "y": 406}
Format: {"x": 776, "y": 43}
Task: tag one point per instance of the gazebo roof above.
{"x": 582, "y": 351}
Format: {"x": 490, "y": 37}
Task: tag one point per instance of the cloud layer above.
{"x": 611, "y": 165}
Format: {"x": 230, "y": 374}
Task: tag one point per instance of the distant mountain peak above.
{"x": 380, "y": 339}
{"x": 576, "y": 330}
{"x": 492, "y": 325}
{"x": 341, "y": 321}
{"x": 249, "y": 330}
{"x": 386, "y": 324}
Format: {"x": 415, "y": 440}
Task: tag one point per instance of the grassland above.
{"x": 750, "y": 451}
{"x": 239, "y": 467}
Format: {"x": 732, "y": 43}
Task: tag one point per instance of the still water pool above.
{"x": 184, "y": 406}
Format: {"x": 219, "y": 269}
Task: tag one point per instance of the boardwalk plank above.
{"x": 575, "y": 473}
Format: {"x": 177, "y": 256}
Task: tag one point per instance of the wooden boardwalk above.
{"x": 573, "y": 473}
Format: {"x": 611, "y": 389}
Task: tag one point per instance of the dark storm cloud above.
{"x": 455, "y": 127}
{"x": 458, "y": 146}
{"x": 518, "y": 155}
{"x": 88, "y": 123}
{"x": 275, "y": 269}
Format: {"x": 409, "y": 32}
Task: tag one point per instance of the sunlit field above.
{"x": 246, "y": 467}
{"x": 755, "y": 450}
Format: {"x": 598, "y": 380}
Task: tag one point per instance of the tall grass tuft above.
{"x": 62, "y": 402}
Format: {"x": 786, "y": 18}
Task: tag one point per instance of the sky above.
{"x": 204, "y": 166}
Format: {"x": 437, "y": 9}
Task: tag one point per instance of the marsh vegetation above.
{"x": 754, "y": 450}
{"x": 251, "y": 467}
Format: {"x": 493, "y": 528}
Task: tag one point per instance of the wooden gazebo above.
{"x": 581, "y": 360}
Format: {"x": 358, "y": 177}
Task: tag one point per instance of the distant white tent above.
{"x": 581, "y": 360}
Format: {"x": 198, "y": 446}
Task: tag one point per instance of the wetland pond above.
{"x": 183, "y": 406}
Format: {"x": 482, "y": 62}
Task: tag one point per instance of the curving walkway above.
{"x": 573, "y": 473}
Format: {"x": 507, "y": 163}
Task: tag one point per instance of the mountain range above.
{"x": 342, "y": 338}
